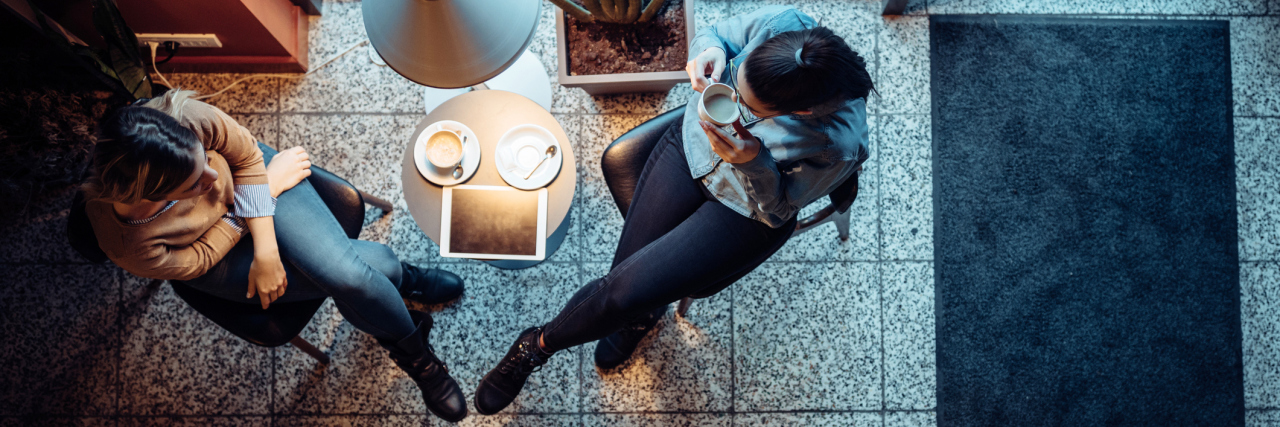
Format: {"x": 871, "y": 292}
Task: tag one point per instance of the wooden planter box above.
{"x": 601, "y": 84}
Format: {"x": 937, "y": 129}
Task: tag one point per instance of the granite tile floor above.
{"x": 826, "y": 333}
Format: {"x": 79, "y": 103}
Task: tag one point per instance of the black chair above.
{"x": 281, "y": 322}
{"x": 624, "y": 159}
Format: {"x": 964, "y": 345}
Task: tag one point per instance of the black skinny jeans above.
{"x": 677, "y": 241}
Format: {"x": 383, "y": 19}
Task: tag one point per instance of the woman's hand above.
{"x": 287, "y": 169}
{"x": 730, "y": 148}
{"x": 267, "y": 278}
{"x": 711, "y": 60}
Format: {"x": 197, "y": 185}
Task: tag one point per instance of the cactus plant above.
{"x": 611, "y": 11}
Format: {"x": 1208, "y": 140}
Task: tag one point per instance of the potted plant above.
{"x": 619, "y": 46}
{"x": 120, "y": 65}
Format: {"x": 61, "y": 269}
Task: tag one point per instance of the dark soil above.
{"x": 657, "y": 45}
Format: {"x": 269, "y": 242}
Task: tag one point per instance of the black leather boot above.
{"x": 429, "y": 285}
{"x": 414, "y": 356}
{"x": 501, "y": 385}
{"x": 616, "y": 348}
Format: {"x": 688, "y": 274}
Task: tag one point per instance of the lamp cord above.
{"x": 153, "y": 46}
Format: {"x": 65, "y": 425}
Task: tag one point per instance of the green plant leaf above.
{"x": 91, "y": 58}
{"x": 572, "y": 8}
{"x": 652, "y": 9}
{"x": 124, "y": 56}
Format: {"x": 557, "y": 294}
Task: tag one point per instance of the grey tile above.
{"x": 856, "y": 21}
{"x": 599, "y": 222}
{"x": 257, "y": 94}
{"x": 233, "y": 421}
{"x": 848, "y": 419}
{"x": 352, "y": 83}
{"x": 902, "y": 77}
{"x": 683, "y": 365}
{"x": 807, "y": 337}
{"x": 365, "y": 149}
{"x": 1162, "y": 7}
{"x": 570, "y": 249}
{"x": 175, "y": 361}
{"x": 823, "y": 243}
{"x": 474, "y": 333}
{"x": 36, "y": 231}
{"x": 911, "y": 419}
{"x": 57, "y": 421}
{"x": 1255, "y": 72}
{"x": 1257, "y": 175}
{"x": 262, "y": 126}
{"x": 910, "y": 345}
{"x": 906, "y": 194}
{"x": 522, "y": 420}
{"x": 377, "y": 225}
{"x": 360, "y": 378}
{"x": 352, "y": 420}
{"x": 674, "y": 420}
{"x": 61, "y": 346}
{"x": 408, "y": 240}
{"x": 1260, "y": 328}
{"x": 1262, "y": 418}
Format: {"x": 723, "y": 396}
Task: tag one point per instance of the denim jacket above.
{"x": 803, "y": 156}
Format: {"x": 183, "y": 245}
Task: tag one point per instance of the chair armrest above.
{"x": 816, "y": 218}
{"x": 624, "y": 159}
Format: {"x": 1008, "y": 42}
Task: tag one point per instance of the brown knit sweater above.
{"x": 188, "y": 239}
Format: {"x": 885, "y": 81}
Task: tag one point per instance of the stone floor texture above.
{"x": 827, "y": 333}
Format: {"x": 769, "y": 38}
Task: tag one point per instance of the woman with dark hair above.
{"x": 711, "y": 204}
{"x": 180, "y": 191}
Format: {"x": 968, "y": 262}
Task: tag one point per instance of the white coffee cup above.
{"x": 445, "y": 148}
{"x": 717, "y": 105}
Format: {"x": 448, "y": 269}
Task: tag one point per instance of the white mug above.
{"x": 727, "y": 108}
{"x": 462, "y": 149}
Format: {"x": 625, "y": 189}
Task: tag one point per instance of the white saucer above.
{"x": 443, "y": 176}
{"x": 520, "y": 149}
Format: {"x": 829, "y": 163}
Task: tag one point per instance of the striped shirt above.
{"x": 251, "y": 201}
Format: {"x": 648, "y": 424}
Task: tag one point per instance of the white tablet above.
{"x": 493, "y": 222}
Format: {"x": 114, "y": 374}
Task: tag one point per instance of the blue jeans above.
{"x": 677, "y": 241}
{"x": 320, "y": 261}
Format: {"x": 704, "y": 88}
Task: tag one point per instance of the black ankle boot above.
{"x": 501, "y": 385}
{"x": 429, "y": 285}
{"x": 414, "y": 356}
{"x": 616, "y": 348}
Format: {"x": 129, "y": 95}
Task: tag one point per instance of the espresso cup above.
{"x": 717, "y": 105}
{"x": 445, "y": 149}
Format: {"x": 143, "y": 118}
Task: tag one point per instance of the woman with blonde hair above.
{"x": 181, "y": 191}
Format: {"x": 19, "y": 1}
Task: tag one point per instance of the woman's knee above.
{"x": 381, "y": 258}
{"x": 624, "y": 301}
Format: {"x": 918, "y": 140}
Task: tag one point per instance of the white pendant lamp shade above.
{"x": 450, "y": 43}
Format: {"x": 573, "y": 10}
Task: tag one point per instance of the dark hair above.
{"x": 142, "y": 154}
{"x": 826, "y": 68}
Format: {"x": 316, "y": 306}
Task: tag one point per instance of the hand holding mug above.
{"x": 740, "y": 149}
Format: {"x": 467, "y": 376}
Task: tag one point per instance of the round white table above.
{"x": 490, "y": 113}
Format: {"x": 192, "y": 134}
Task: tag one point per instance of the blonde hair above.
{"x": 171, "y": 102}
{"x": 144, "y": 152}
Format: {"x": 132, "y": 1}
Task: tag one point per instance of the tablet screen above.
{"x": 493, "y": 222}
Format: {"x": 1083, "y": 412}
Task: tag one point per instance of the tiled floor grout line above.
{"x": 879, "y": 234}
